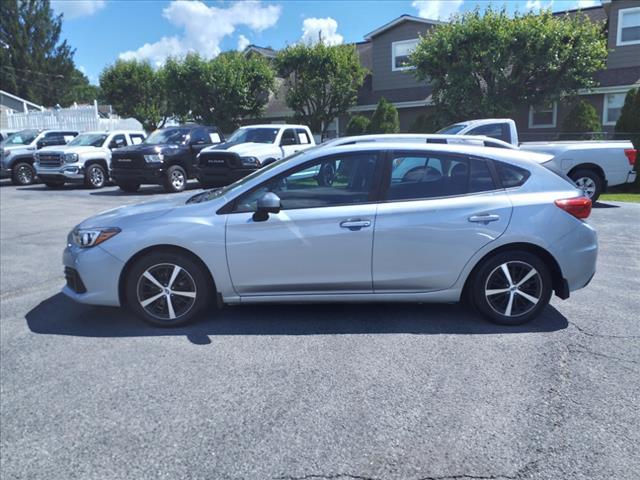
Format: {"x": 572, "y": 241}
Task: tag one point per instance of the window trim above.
{"x": 605, "y": 109}
{"x": 393, "y": 54}
{"x": 554, "y": 110}
{"x": 621, "y": 13}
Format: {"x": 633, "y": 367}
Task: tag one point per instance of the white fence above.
{"x": 81, "y": 119}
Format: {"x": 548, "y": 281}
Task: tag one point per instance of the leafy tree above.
{"x": 488, "y": 64}
{"x": 581, "y": 122}
{"x": 385, "y": 118}
{"x": 358, "y": 125}
{"x": 427, "y": 122}
{"x": 135, "y": 90}
{"x": 34, "y": 63}
{"x": 322, "y": 81}
{"x": 220, "y": 91}
{"x": 628, "y": 124}
{"x": 81, "y": 91}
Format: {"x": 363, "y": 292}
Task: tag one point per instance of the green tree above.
{"x": 628, "y": 124}
{"x": 80, "y": 91}
{"x": 427, "y": 122}
{"x": 322, "y": 81}
{"x": 220, "y": 91}
{"x": 34, "y": 63}
{"x": 489, "y": 64}
{"x": 358, "y": 125}
{"x": 581, "y": 122}
{"x": 385, "y": 118}
{"x": 135, "y": 89}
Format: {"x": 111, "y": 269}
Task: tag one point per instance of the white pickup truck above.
{"x": 86, "y": 159}
{"x": 248, "y": 149}
{"x": 592, "y": 165}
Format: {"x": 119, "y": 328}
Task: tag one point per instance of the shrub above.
{"x": 581, "y": 122}
{"x": 358, "y": 125}
{"x": 385, "y": 118}
{"x": 628, "y": 125}
{"x": 427, "y": 122}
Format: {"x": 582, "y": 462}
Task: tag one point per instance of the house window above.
{"x": 628, "y": 26}
{"x": 543, "y": 116}
{"x": 613, "y": 103}
{"x": 400, "y": 52}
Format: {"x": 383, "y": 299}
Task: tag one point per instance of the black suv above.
{"x": 167, "y": 157}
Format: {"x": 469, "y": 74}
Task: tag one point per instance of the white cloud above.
{"x": 587, "y": 3}
{"x": 326, "y": 28}
{"x": 243, "y": 42}
{"x": 537, "y": 5}
{"x": 77, "y": 8}
{"x": 204, "y": 28}
{"x": 437, "y": 9}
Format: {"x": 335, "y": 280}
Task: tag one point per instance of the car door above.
{"x": 439, "y": 210}
{"x": 289, "y": 142}
{"x": 322, "y": 239}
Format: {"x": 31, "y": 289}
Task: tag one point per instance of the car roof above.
{"x": 109, "y": 132}
{"x": 274, "y": 125}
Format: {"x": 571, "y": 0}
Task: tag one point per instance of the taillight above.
{"x": 579, "y": 207}
{"x": 632, "y": 155}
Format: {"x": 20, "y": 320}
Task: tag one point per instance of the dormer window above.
{"x": 400, "y": 52}
{"x": 628, "y": 27}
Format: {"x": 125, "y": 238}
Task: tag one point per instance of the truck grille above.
{"x": 50, "y": 160}
{"x": 128, "y": 161}
{"x": 219, "y": 160}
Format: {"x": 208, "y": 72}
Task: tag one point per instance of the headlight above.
{"x": 250, "y": 161}
{"x": 90, "y": 237}
{"x": 71, "y": 158}
{"x": 154, "y": 158}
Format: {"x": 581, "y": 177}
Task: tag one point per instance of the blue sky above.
{"x": 102, "y": 31}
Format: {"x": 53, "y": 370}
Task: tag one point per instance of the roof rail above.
{"x": 479, "y": 140}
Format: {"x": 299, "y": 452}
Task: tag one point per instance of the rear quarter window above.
{"x": 511, "y": 176}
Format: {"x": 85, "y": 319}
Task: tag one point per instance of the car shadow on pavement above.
{"x": 604, "y": 205}
{"x": 145, "y": 190}
{"x": 59, "y": 315}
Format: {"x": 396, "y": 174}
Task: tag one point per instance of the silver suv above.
{"x": 395, "y": 223}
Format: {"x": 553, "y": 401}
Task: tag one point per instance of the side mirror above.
{"x": 268, "y": 203}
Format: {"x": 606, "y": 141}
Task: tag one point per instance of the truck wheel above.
{"x": 589, "y": 182}
{"x": 54, "y": 183}
{"x": 22, "y": 174}
{"x": 175, "y": 179}
{"x": 95, "y": 176}
{"x": 129, "y": 187}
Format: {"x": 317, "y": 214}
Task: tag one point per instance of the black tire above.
{"x": 490, "y": 277}
{"x": 129, "y": 187}
{"x": 192, "y": 277}
{"x": 95, "y": 176}
{"x": 589, "y": 181}
{"x": 57, "y": 184}
{"x": 22, "y": 173}
{"x": 175, "y": 179}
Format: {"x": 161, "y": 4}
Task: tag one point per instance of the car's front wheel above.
{"x": 175, "y": 180}
{"x": 22, "y": 173}
{"x": 167, "y": 289}
{"x": 512, "y": 287}
{"x": 95, "y": 176}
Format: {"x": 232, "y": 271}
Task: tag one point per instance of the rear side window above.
{"x": 511, "y": 176}
{"x": 136, "y": 138}
{"x": 303, "y": 138}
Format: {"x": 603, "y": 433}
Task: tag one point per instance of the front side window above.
{"x": 288, "y": 137}
{"x": 254, "y": 135}
{"x": 543, "y": 116}
{"x": 400, "y": 52}
{"x": 23, "y": 137}
{"x": 422, "y": 176}
{"x": 628, "y": 26}
{"x": 613, "y": 103}
{"x": 199, "y": 137}
{"x": 345, "y": 179}
{"x": 173, "y": 136}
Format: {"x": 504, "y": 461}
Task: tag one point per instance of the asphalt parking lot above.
{"x": 310, "y": 392}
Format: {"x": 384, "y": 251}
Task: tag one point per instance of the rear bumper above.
{"x": 220, "y": 177}
{"x": 576, "y": 253}
{"x": 631, "y": 177}
{"x": 137, "y": 175}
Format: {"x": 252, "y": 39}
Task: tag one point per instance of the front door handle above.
{"x": 484, "y": 218}
{"x": 355, "y": 224}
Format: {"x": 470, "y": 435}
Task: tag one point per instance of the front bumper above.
{"x": 220, "y": 177}
{"x": 95, "y": 270}
{"x": 68, "y": 173}
{"x": 153, "y": 176}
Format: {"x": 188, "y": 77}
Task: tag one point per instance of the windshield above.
{"x": 89, "y": 140}
{"x": 168, "y": 135}
{"x": 24, "y": 137}
{"x": 452, "y": 129}
{"x": 255, "y": 135}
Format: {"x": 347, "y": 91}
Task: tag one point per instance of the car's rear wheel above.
{"x": 512, "y": 287}
{"x": 95, "y": 176}
{"x": 167, "y": 289}
{"x": 129, "y": 187}
{"x": 22, "y": 173}
{"x": 175, "y": 179}
{"x": 589, "y": 182}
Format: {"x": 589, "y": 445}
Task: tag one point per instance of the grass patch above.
{"x": 620, "y": 197}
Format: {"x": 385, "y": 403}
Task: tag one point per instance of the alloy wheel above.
{"x": 587, "y": 185}
{"x": 513, "y": 288}
{"x": 24, "y": 174}
{"x": 166, "y": 291}
{"x": 96, "y": 177}
{"x": 177, "y": 179}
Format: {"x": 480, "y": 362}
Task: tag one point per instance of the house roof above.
{"x": 595, "y": 14}
{"x": 400, "y": 19}
{"x": 21, "y": 100}
{"x": 264, "y": 51}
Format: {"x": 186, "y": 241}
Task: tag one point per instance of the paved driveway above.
{"x": 311, "y": 392}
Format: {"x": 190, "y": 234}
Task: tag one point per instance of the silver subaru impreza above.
{"x": 383, "y": 222}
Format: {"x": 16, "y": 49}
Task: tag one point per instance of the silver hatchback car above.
{"x": 384, "y": 222}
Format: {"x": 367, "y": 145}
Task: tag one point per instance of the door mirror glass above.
{"x": 268, "y": 203}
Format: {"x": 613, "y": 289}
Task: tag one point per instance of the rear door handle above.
{"x": 355, "y": 224}
{"x": 484, "y": 218}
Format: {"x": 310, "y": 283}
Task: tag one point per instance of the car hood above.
{"x": 17, "y": 149}
{"x": 134, "y": 214}
{"x": 72, "y": 149}
{"x": 243, "y": 149}
{"x": 145, "y": 149}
